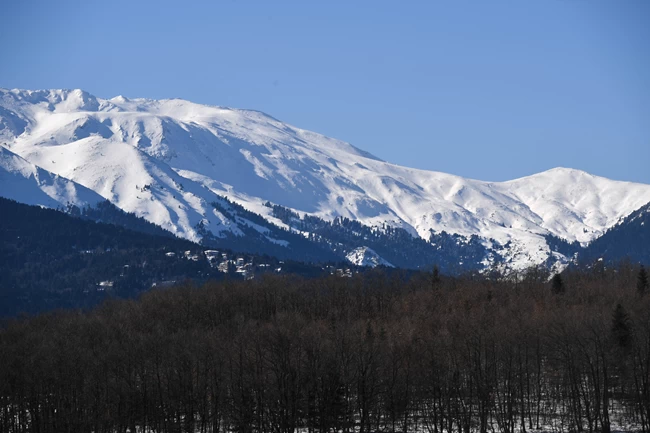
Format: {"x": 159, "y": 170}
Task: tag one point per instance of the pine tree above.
{"x": 621, "y": 327}
{"x": 557, "y": 285}
{"x": 435, "y": 277}
{"x": 642, "y": 281}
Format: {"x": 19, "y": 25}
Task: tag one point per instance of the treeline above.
{"x": 49, "y": 259}
{"x": 363, "y": 354}
{"x": 453, "y": 253}
{"x": 275, "y": 241}
{"x": 629, "y": 238}
{"x": 107, "y": 213}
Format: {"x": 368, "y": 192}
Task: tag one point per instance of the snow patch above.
{"x": 364, "y": 256}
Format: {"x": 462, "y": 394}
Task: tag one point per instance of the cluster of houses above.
{"x": 228, "y": 262}
{"x": 341, "y": 272}
{"x": 246, "y": 267}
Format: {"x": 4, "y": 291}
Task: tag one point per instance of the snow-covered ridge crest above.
{"x": 166, "y": 159}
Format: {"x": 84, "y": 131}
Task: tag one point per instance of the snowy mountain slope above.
{"x": 364, "y": 256}
{"x": 27, "y": 183}
{"x": 184, "y": 152}
{"x": 630, "y": 239}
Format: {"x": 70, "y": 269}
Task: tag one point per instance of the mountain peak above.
{"x": 567, "y": 170}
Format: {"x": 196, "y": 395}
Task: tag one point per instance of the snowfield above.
{"x": 166, "y": 160}
{"x": 25, "y": 182}
{"x": 364, "y": 256}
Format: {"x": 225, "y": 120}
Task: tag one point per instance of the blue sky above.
{"x": 491, "y": 90}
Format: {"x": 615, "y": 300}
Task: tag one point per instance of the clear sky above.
{"x": 488, "y": 89}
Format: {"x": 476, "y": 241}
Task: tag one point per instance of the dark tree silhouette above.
{"x": 621, "y": 327}
{"x": 557, "y": 285}
{"x": 374, "y": 352}
{"x": 642, "y": 281}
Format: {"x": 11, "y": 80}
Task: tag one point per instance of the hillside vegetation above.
{"x": 362, "y": 354}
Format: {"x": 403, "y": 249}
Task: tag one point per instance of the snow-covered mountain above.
{"x": 168, "y": 160}
{"x": 24, "y": 182}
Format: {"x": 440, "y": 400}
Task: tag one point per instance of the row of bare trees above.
{"x": 375, "y": 352}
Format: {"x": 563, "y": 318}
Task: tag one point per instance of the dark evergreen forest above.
{"x": 630, "y": 238}
{"x": 371, "y": 353}
{"x": 51, "y": 259}
{"x": 452, "y": 253}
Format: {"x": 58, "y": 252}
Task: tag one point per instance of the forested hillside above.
{"x": 629, "y": 239}
{"x": 364, "y": 354}
{"x": 453, "y": 254}
{"x": 107, "y": 212}
{"x": 50, "y": 259}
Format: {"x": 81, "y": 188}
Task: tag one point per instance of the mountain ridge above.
{"x": 184, "y": 154}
